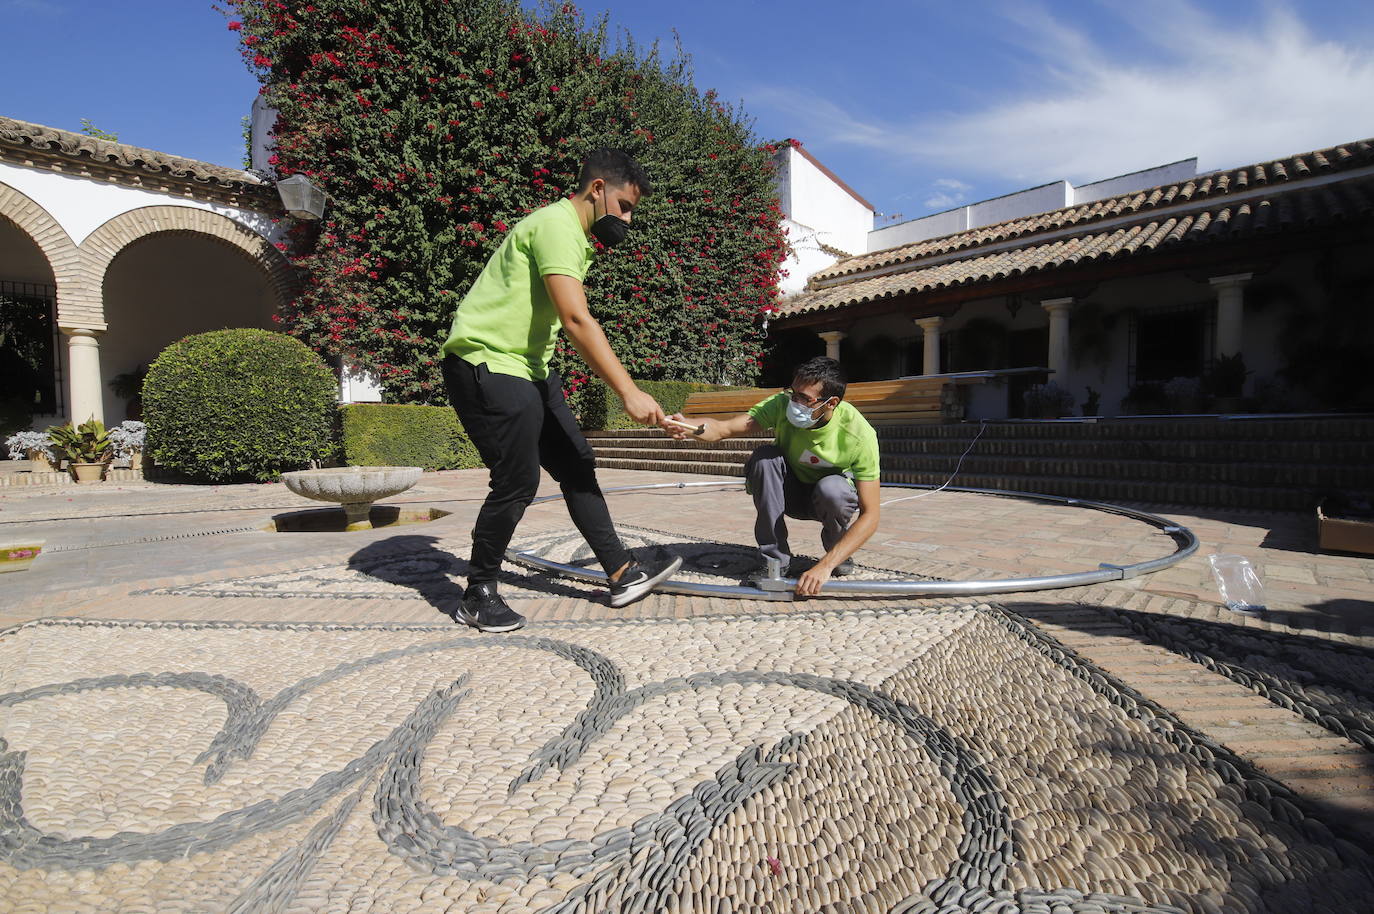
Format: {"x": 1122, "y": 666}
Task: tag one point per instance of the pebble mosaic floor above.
{"x": 1328, "y": 682}
{"x": 825, "y": 760}
{"x": 416, "y": 566}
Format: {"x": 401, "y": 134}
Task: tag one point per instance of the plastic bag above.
{"x": 1240, "y": 586}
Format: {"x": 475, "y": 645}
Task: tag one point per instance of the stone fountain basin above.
{"x": 356, "y": 488}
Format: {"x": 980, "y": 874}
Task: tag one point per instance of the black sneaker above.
{"x": 483, "y": 609}
{"x": 639, "y": 579}
{"x": 843, "y": 569}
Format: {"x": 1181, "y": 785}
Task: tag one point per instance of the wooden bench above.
{"x": 900, "y": 402}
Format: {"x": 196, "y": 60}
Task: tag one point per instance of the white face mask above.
{"x": 800, "y": 416}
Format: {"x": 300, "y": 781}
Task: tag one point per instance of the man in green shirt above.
{"x": 496, "y": 369}
{"x": 823, "y": 465}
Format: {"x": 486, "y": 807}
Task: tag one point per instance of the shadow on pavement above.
{"x": 417, "y": 562}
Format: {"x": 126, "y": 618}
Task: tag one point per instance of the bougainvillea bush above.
{"x": 434, "y": 126}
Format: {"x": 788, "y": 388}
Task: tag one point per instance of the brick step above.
{"x": 1312, "y": 480}
{"x": 1323, "y": 477}
{"x": 1327, "y": 428}
{"x": 1354, "y": 456}
{"x": 686, "y": 452}
{"x": 1323, "y": 452}
{"x": 1251, "y": 464}
{"x": 1123, "y": 490}
{"x": 658, "y": 439}
{"x": 1113, "y": 491}
{"x": 672, "y": 466}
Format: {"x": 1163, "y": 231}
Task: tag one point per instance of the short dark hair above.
{"x": 827, "y": 371}
{"x": 614, "y": 166}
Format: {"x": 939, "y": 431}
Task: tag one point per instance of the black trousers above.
{"x": 518, "y": 427}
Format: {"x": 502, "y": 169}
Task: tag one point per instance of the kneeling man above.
{"x": 823, "y": 465}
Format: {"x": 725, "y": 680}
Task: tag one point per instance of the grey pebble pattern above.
{"x": 982, "y": 837}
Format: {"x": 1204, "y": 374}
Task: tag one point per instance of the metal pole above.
{"x": 1184, "y": 541}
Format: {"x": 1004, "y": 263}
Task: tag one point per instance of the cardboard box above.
{"x": 1340, "y": 534}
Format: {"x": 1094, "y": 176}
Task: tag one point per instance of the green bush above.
{"x": 236, "y": 405}
{"x": 435, "y": 127}
{"x": 598, "y": 407}
{"x": 376, "y": 434}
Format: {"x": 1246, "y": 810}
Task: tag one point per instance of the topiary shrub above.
{"x": 237, "y": 405}
{"x": 396, "y": 435}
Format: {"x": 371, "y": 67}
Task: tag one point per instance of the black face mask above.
{"x": 610, "y": 230}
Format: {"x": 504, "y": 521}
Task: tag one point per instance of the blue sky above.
{"x": 918, "y": 105}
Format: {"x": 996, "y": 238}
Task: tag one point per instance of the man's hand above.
{"x": 710, "y": 428}
{"x": 810, "y": 581}
{"x": 643, "y": 408}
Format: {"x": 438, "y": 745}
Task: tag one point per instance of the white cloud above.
{"x": 1228, "y": 92}
{"x": 950, "y": 192}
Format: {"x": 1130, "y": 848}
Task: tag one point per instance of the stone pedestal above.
{"x": 85, "y": 400}
{"x": 1230, "y": 311}
{"x": 930, "y": 343}
{"x": 832, "y": 342}
{"x": 1058, "y": 356}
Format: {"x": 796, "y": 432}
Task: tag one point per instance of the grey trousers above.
{"x": 779, "y": 494}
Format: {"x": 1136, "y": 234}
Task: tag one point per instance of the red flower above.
{"x": 235, "y": 26}
{"x": 476, "y": 104}
{"x": 553, "y": 88}
{"x": 262, "y": 60}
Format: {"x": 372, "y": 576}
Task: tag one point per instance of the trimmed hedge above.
{"x": 599, "y": 407}
{"x": 239, "y": 404}
{"x": 396, "y": 435}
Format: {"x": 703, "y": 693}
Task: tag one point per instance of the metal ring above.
{"x": 1185, "y": 545}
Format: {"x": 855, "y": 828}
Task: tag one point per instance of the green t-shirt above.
{"x": 507, "y": 319}
{"x": 846, "y": 444}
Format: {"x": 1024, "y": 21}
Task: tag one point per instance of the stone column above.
{"x": 930, "y": 343}
{"x": 832, "y": 342}
{"x": 1059, "y": 309}
{"x": 1230, "y": 311}
{"x": 85, "y": 399}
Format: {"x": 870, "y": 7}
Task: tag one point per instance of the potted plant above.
{"x": 1184, "y": 395}
{"x": 1226, "y": 380}
{"x": 1092, "y": 404}
{"x": 129, "y": 386}
{"x": 87, "y": 447}
{"x": 1047, "y": 401}
{"x": 1145, "y": 399}
{"x": 126, "y": 442}
{"x": 36, "y": 446}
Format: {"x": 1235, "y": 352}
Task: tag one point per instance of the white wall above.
{"x": 1173, "y": 173}
{"x": 165, "y": 286}
{"x": 357, "y": 385}
{"x": 820, "y": 214}
{"x": 81, "y": 205}
{"x": 1030, "y": 202}
{"x": 21, "y": 259}
{"x": 261, "y": 144}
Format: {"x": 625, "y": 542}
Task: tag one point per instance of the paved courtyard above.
{"x": 197, "y": 714}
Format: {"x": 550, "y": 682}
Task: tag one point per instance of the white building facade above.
{"x": 127, "y": 250}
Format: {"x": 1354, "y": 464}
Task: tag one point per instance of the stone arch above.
{"x": 105, "y": 243}
{"x": 64, "y": 257}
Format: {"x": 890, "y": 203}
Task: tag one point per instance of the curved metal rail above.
{"x": 1185, "y": 545}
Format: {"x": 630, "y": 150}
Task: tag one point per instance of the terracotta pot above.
{"x": 136, "y": 460}
{"x": 39, "y": 463}
{"x": 88, "y": 472}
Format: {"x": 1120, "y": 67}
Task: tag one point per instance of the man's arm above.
{"x": 570, "y": 301}
{"x": 715, "y": 429}
{"x": 864, "y": 526}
